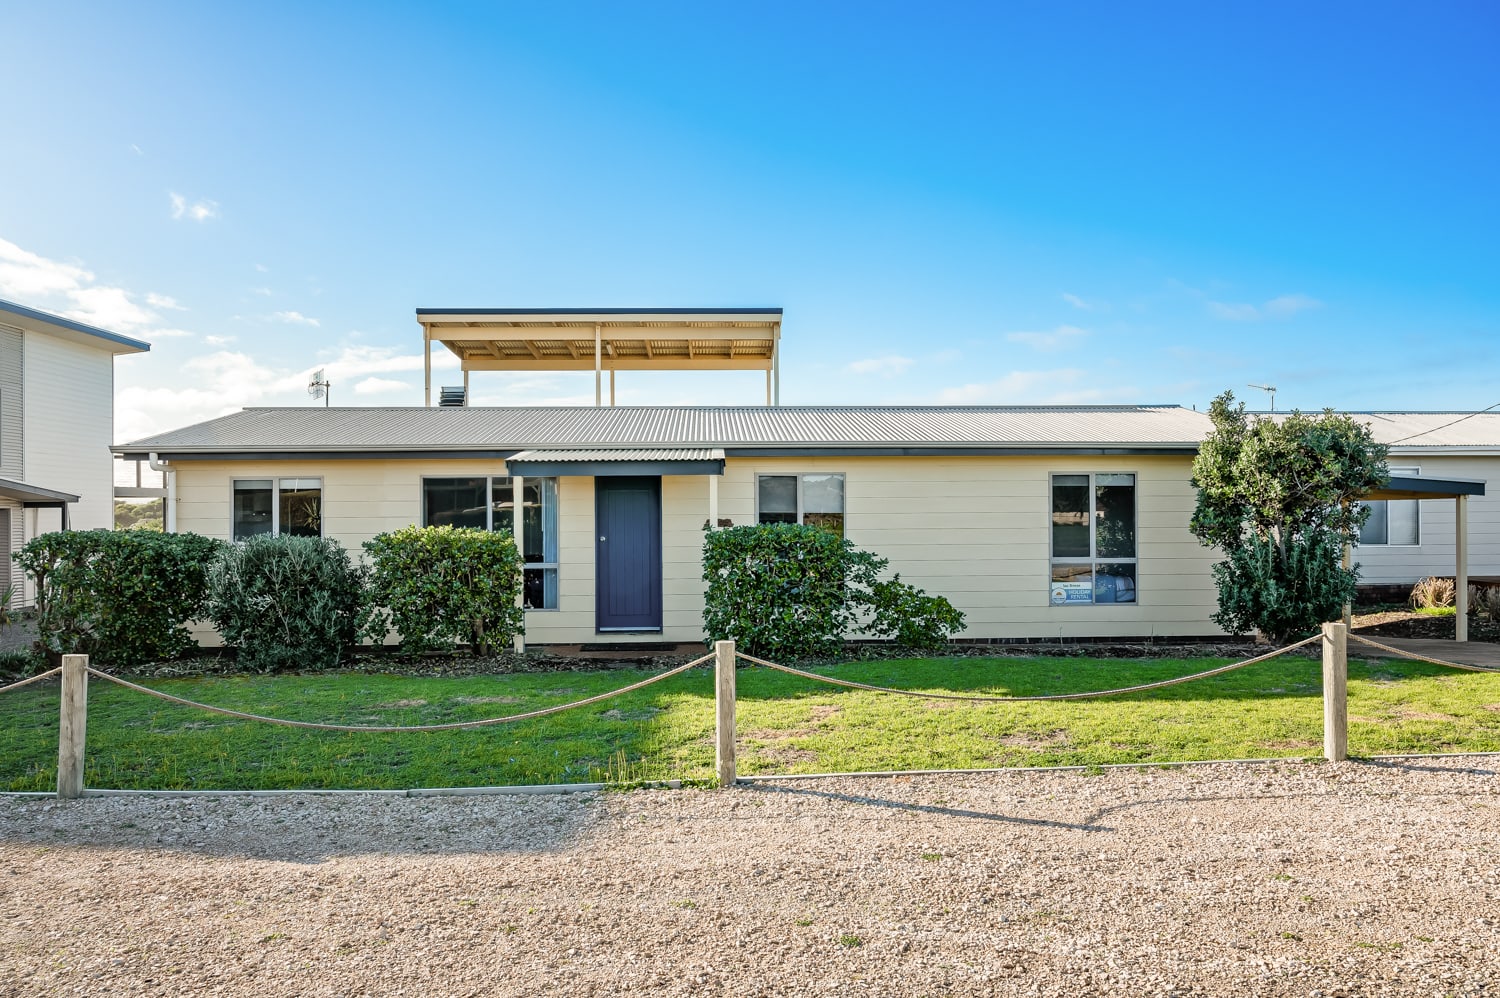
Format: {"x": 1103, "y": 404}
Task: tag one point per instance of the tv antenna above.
{"x": 1269, "y": 389}
{"x": 319, "y": 386}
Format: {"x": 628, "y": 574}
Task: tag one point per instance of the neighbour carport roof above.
{"x": 739, "y": 431}
{"x": 1415, "y": 487}
{"x": 33, "y": 495}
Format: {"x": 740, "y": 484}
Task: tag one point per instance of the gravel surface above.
{"x": 1287, "y": 879}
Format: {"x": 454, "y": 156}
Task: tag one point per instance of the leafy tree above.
{"x": 1281, "y": 497}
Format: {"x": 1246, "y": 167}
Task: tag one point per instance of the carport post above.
{"x": 1461, "y": 570}
{"x": 72, "y": 724}
{"x": 1335, "y": 692}
{"x": 724, "y": 711}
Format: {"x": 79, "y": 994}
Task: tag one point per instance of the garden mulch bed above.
{"x": 1404, "y": 623}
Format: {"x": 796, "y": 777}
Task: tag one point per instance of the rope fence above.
{"x": 34, "y": 679}
{"x": 400, "y": 728}
{"x": 1095, "y": 694}
{"x": 75, "y": 671}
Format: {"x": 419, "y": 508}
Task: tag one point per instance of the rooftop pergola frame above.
{"x": 606, "y": 339}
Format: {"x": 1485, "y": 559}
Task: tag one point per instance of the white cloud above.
{"x": 157, "y": 334}
{"x": 1077, "y": 302}
{"x": 110, "y": 308}
{"x": 136, "y": 149}
{"x": 1049, "y": 341}
{"x": 262, "y": 268}
{"x": 164, "y": 301}
{"x": 1017, "y": 388}
{"x": 294, "y": 318}
{"x": 377, "y": 386}
{"x": 200, "y": 210}
{"x": 1277, "y": 308}
{"x": 888, "y": 367}
{"x": 27, "y": 275}
{"x": 262, "y": 291}
{"x": 218, "y": 341}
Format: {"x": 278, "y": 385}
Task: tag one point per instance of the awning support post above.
{"x": 427, "y": 364}
{"x": 611, "y": 386}
{"x": 598, "y": 368}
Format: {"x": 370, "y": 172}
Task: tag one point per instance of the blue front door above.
{"x": 627, "y": 554}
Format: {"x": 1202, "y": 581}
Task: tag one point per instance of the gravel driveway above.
{"x": 1294, "y": 879}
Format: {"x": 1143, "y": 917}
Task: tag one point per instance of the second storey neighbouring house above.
{"x": 1037, "y": 522}
{"x": 56, "y": 427}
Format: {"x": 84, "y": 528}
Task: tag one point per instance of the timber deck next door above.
{"x": 627, "y": 554}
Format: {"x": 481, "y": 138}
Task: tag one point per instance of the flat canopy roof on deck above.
{"x": 606, "y": 339}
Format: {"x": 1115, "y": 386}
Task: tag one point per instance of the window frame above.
{"x": 1093, "y": 559}
{"x": 799, "y": 475}
{"x": 276, "y": 481}
{"x": 1403, "y": 470}
{"x": 489, "y": 521}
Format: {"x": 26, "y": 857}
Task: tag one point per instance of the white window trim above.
{"x": 799, "y": 475}
{"x": 1093, "y": 557}
{"x": 1403, "y": 470}
{"x": 489, "y": 522}
{"x": 276, "y": 481}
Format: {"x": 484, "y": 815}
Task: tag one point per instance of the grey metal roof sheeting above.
{"x": 314, "y": 428}
{"x": 1420, "y": 430}
{"x": 31, "y": 494}
{"x": 130, "y": 344}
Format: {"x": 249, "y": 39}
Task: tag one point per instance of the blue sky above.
{"x": 1007, "y": 203}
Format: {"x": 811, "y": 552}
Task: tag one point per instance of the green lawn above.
{"x": 786, "y": 724}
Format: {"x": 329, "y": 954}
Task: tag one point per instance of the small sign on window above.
{"x": 1065, "y": 593}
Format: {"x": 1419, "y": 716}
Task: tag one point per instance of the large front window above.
{"x": 277, "y": 506}
{"x": 1093, "y": 539}
{"x": 816, "y": 500}
{"x": 488, "y": 503}
{"x": 1394, "y": 521}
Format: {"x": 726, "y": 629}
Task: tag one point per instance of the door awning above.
{"x": 606, "y": 463}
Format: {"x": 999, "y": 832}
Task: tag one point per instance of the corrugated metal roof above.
{"x": 314, "y": 428}
{"x": 1422, "y": 430}
{"x": 621, "y": 454}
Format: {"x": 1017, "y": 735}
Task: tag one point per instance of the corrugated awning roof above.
{"x": 1417, "y": 487}
{"x": 619, "y": 462}
{"x": 746, "y": 430}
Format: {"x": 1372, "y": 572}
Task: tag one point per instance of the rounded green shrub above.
{"x": 448, "y": 585}
{"x": 122, "y": 597}
{"x": 786, "y": 590}
{"x": 289, "y": 602}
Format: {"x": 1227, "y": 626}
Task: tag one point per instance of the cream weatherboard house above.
{"x": 1056, "y": 522}
{"x": 56, "y": 426}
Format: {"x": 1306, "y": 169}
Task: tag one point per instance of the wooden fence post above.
{"x": 1335, "y": 692}
{"x": 724, "y": 711}
{"x": 72, "y": 726}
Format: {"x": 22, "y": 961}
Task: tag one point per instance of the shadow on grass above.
{"x": 950, "y": 812}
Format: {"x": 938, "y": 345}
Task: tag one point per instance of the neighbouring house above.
{"x": 56, "y": 427}
{"x": 1405, "y": 540}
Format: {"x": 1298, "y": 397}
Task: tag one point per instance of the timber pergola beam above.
{"x": 610, "y": 339}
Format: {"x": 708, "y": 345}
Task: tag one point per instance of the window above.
{"x": 1093, "y": 539}
{"x": 277, "y": 506}
{"x": 488, "y": 503}
{"x": 1394, "y": 521}
{"x": 816, "y": 500}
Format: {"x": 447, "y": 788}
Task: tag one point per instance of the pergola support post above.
{"x": 427, "y": 365}
{"x": 518, "y": 530}
{"x": 598, "y": 367}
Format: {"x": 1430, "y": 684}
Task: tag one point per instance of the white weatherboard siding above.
{"x": 972, "y": 529}
{"x": 1393, "y": 565}
{"x": 69, "y": 420}
{"x": 12, "y": 415}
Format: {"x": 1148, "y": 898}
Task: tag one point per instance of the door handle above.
{"x": 603, "y": 538}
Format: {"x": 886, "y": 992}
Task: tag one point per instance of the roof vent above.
{"x": 453, "y": 396}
